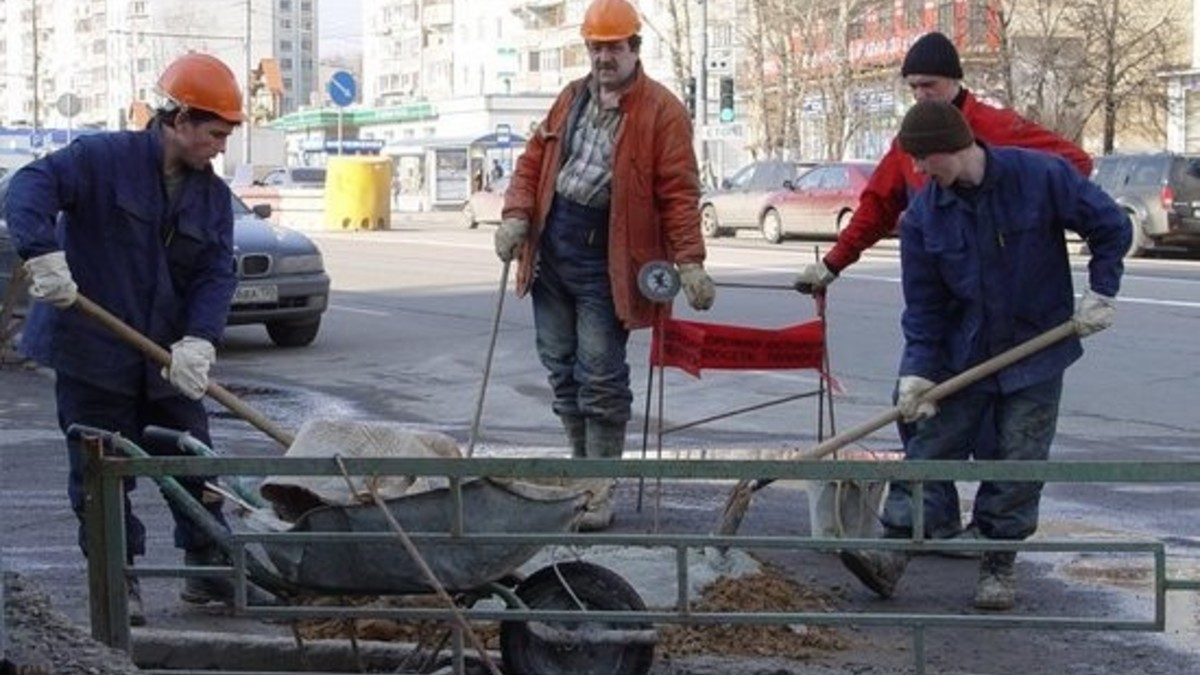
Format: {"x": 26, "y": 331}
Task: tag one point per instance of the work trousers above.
{"x": 1023, "y": 423}
{"x": 83, "y": 403}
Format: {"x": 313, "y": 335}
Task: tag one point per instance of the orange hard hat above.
{"x": 201, "y": 81}
{"x": 609, "y": 21}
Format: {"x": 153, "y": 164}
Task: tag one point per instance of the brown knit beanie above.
{"x": 932, "y": 127}
{"x": 932, "y": 54}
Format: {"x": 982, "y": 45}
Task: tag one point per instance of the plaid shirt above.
{"x": 586, "y": 176}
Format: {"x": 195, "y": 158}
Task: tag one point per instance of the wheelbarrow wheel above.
{"x": 557, "y": 587}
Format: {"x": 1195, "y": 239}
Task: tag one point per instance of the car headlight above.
{"x": 300, "y": 264}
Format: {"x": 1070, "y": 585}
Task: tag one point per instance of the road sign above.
{"x": 503, "y": 135}
{"x": 36, "y": 139}
{"x": 68, "y": 105}
{"x": 720, "y": 61}
{"x": 717, "y": 132}
{"x": 342, "y": 88}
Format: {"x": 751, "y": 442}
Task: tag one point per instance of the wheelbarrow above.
{"x": 472, "y": 572}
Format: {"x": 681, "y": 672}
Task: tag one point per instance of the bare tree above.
{"x": 1127, "y": 45}
{"x": 677, "y": 36}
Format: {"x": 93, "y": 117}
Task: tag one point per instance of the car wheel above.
{"x": 293, "y": 333}
{"x": 772, "y": 227}
{"x": 843, "y": 220}
{"x": 709, "y": 224}
{"x": 1138, "y": 241}
{"x": 469, "y": 217}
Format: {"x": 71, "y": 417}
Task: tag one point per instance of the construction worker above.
{"x": 622, "y": 190}
{"x": 984, "y": 267}
{"x": 933, "y": 71}
{"x": 137, "y": 222}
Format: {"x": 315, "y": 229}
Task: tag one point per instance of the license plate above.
{"x": 256, "y": 294}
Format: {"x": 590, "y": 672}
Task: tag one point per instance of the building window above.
{"x": 285, "y": 64}
{"x": 285, "y": 5}
{"x": 285, "y": 45}
{"x": 914, "y": 13}
{"x": 535, "y": 61}
{"x": 977, "y": 27}
{"x": 946, "y": 18}
{"x": 552, "y": 60}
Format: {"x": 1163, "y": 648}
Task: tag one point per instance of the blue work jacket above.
{"x": 166, "y": 269}
{"x": 986, "y": 272}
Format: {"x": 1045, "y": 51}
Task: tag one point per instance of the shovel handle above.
{"x": 163, "y": 358}
{"x": 943, "y": 389}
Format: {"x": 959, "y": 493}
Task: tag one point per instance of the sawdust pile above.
{"x": 766, "y": 591}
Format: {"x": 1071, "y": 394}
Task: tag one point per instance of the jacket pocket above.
{"x": 136, "y": 227}
{"x": 188, "y": 245}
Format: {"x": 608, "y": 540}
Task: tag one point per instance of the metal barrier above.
{"x": 107, "y": 572}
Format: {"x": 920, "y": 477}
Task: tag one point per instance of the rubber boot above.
{"x": 997, "y": 587}
{"x": 605, "y": 439}
{"x": 203, "y": 590}
{"x": 137, "y": 611}
{"x": 576, "y": 428}
{"x": 879, "y": 571}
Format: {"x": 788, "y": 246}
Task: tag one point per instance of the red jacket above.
{"x": 895, "y": 180}
{"x": 654, "y": 213}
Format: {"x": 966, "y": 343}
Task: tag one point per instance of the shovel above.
{"x": 739, "y": 500}
{"x": 162, "y": 357}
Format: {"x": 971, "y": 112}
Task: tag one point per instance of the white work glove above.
{"x": 908, "y": 393}
{"x": 1095, "y": 313}
{"x": 191, "y": 359}
{"x": 509, "y": 237}
{"x": 813, "y": 278}
{"x": 697, "y": 285}
{"x": 50, "y": 279}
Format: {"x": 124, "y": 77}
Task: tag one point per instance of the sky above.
{"x": 340, "y": 23}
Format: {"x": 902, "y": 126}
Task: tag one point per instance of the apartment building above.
{"x": 109, "y": 53}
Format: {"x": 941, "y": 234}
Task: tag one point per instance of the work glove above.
{"x": 509, "y": 237}
{"x": 908, "y": 394}
{"x": 1095, "y": 313}
{"x": 697, "y": 285}
{"x": 813, "y": 278}
{"x": 191, "y": 359}
{"x": 50, "y": 279}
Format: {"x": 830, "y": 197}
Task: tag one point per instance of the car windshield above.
{"x": 240, "y": 208}
{"x": 314, "y": 175}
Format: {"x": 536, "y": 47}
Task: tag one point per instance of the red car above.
{"x": 818, "y": 204}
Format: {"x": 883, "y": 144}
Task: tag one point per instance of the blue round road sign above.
{"x": 342, "y": 88}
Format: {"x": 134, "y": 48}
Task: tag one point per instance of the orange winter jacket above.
{"x": 894, "y": 181}
{"x": 654, "y": 213}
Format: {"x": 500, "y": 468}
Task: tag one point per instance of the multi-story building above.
{"x": 109, "y": 53}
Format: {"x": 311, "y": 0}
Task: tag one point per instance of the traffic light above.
{"x": 726, "y": 114}
{"x": 689, "y": 96}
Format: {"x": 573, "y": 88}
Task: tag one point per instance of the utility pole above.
{"x": 702, "y": 93}
{"x": 248, "y": 125}
{"x": 37, "y": 80}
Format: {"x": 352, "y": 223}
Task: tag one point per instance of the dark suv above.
{"x": 1161, "y": 194}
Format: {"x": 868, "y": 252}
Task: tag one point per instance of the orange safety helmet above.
{"x": 201, "y": 81}
{"x": 609, "y": 21}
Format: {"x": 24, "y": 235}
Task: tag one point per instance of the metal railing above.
{"x": 107, "y": 572}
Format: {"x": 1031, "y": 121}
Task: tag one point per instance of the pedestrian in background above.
{"x": 138, "y": 222}
{"x": 933, "y": 72}
{"x": 607, "y": 183}
{"x": 984, "y": 267}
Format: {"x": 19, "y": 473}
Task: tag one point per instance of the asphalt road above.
{"x": 405, "y": 341}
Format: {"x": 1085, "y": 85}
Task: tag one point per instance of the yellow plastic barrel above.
{"x": 358, "y": 193}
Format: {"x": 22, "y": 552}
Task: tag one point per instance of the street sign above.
{"x": 36, "y": 140}
{"x": 342, "y": 88}
{"x": 68, "y": 105}
{"x": 717, "y": 132}
{"x": 720, "y": 61}
{"x": 503, "y": 135}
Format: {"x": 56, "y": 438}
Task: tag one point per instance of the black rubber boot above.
{"x": 605, "y": 439}
{"x": 996, "y": 590}
{"x": 879, "y": 571}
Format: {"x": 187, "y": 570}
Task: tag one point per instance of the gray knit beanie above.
{"x": 932, "y": 54}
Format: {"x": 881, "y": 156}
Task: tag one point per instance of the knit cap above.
{"x": 932, "y": 127}
{"x": 932, "y": 54}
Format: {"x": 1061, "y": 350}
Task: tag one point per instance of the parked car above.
{"x": 282, "y": 282}
{"x": 739, "y": 202}
{"x": 818, "y": 203}
{"x": 1161, "y": 194}
{"x": 484, "y": 206}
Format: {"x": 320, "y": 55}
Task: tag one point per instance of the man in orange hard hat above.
{"x": 622, "y": 190}
{"x": 138, "y": 222}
